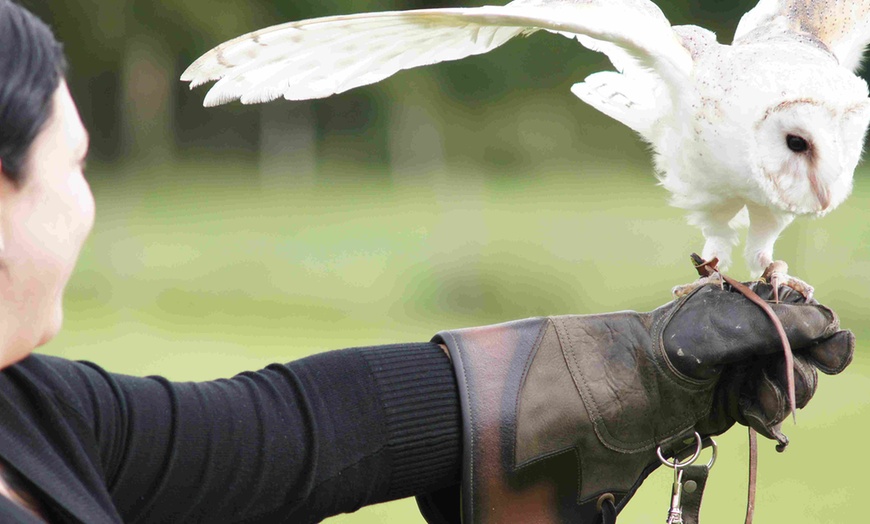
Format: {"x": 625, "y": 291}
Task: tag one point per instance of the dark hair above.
{"x": 32, "y": 65}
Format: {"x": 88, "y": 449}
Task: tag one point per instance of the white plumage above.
{"x": 769, "y": 127}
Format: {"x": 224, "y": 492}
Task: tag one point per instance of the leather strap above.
{"x": 753, "y": 475}
{"x": 694, "y": 482}
{"x": 608, "y": 512}
{"x": 707, "y": 269}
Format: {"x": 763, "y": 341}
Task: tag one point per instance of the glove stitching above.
{"x": 828, "y": 370}
{"x": 660, "y": 355}
{"x": 809, "y": 377}
{"x": 781, "y": 401}
{"x": 582, "y": 386}
{"x": 532, "y": 354}
{"x": 834, "y": 370}
{"x": 660, "y": 360}
{"x": 678, "y": 427}
{"x": 470, "y": 430}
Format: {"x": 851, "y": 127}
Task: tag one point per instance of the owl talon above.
{"x": 777, "y": 275}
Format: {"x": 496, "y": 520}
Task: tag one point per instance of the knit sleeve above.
{"x": 294, "y": 442}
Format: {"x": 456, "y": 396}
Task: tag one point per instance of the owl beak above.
{"x": 820, "y": 191}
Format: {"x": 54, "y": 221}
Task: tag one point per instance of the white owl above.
{"x": 773, "y": 124}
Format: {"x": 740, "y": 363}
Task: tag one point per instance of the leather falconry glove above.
{"x": 562, "y": 415}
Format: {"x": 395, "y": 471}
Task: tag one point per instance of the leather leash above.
{"x": 707, "y": 269}
{"x": 753, "y": 475}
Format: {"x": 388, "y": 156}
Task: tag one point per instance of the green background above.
{"x": 457, "y": 195}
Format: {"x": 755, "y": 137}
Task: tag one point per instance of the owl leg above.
{"x": 765, "y": 226}
{"x": 718, "y": 226}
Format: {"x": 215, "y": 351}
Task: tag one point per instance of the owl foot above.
{"x": 709, "y": 272}
{"x": 685, "y": 289}
{"x": 777, "y": 275}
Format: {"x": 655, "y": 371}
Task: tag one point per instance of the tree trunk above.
{"x": 146, "y": 109}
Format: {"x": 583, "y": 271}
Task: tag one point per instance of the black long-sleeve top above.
{"x": 291, "y": 443}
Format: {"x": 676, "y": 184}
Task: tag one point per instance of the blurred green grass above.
{"x": 196, "y": 271}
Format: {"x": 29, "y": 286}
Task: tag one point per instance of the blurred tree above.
{"x": 125, "y": 57}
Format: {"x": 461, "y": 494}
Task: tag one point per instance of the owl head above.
{"x": 807, "y": 134}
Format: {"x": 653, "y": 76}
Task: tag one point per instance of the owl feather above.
{"x": 768, "y": 128}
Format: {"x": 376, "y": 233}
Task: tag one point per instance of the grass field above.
{"x": 199, "y": 271}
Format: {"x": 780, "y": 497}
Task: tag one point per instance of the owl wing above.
{"x": 843, "y": 26}
{"x": 324, "y": 56}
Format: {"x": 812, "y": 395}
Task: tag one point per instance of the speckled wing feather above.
{"x": 320, "y": 57}
{"x": 843, "y": 26}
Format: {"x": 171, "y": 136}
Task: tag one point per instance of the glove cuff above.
{"x": 560, "y": 411}
{"x": 490, "y": 364}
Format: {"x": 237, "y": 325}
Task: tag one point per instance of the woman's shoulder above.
{"x": 38, "y": 370}
{"x": 41, "y": 379}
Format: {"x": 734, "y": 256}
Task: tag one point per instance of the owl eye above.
{"x": 796, "y": 143}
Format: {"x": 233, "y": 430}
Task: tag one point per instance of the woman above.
{"x": 309, "y": 439}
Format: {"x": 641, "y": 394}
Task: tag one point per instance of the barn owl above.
{"x": 765, "y": 129}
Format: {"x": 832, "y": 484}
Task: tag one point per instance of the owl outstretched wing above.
{"x": 320, "y": 57}
{"x": 842, "y": 26}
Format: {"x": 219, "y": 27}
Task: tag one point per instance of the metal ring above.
{"x": 599, "y": 504}
{"x": 715, "y": 453}
{"x": 699, "y": 445}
